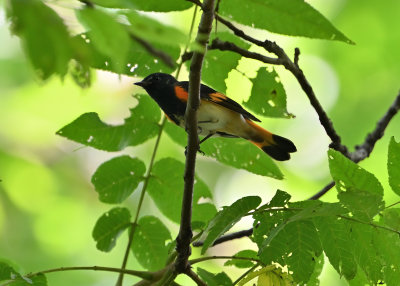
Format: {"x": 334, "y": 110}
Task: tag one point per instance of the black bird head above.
{"x": 157, "y": 83}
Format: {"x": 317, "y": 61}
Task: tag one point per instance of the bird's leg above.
{"x": 201, "y": 141}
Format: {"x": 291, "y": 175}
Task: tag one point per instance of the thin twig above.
{"x": 245, "y": 274}
{"x": 185, "y": 230}
{"x": 144, "y": 188}
{"x": 228, "y": 237}
{"x": 323, "y": 191}
{"x": 155, "y": 52}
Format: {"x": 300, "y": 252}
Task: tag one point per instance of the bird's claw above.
{"x": 198, "y": 150}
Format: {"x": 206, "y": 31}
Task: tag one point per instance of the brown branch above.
{"x": 228, "y": 237}
{"x": 155, "y": 52}
{"x": 185, "y": 231}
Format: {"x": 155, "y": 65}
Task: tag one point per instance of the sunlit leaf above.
{"x": 235, "y": 152}
{"x": 358, "y": 189}
{"x": 268, "y": 96}
{"x": 117, "y": 178}
{"x": 287, "y": 17}
{"x": 211, "y": 279}
{"x": 114, "y": 3}
{"x": 243, "y": 263}
{"x": 218, "y": 64}
{"x": 394, "y": 165}
{"x": 391, "y": 218}
{"x": 166, "y": 188}
{"x": 161, "y": 6}
{"x": 89, "y": 130}
{"x": 110, "y": 37}
{"x": 150, "y": 243}
{"x": 226, "y": 218}
{"x": 334, "y": 236}
{"x": 44, "y": 36}
{"x": 109, "y": 227}
{"x": 319, "y": 265}
{"x": 280, "y": 199}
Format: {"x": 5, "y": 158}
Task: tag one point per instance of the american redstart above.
{"x": 218, "y": 115}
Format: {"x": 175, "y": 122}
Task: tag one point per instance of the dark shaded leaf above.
{"x": 226, "y": 218}
{"x": 89, "y": 130}
{"x": 287, "y": 17}
{"x": 358, "y": 189}
{"x": 166, "y": 189}
{"x": 44, "y": 36}
{"x": 150, "y": 243}
{"x": 109, "y": 227}
{"x": 37, "y": 280}
{"x": 116, "y": 179}
{"x": 211, "y": 279}
{"x": 7, "y": 272}
{"x": 110, "y": 37}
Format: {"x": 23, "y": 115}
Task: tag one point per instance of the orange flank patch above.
{"x": 181, "y": 93}
{"x": 218, "y": 97}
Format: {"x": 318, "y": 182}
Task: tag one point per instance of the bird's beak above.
{"x": 142, "y": 83}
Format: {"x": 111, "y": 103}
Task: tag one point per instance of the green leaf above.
{"x": 287, "y": 17}
{"x": 116, "y": 179}
{"x": 268, "y": 96}
{"x": 334, "y": 236}
{"x": 7, "y": 272}
{"x": 211, "y": 279}
{"x": 317, "y": 209}
{"x": 226, "y": 218}
{"x": 139, "y": 61}
{"x": 235, "y": 152}
{"x": 154, "y": 31}
{"x": 44, "y": 36}
{"x": 109, "y": 227}
{"x": 166, "y": 189}
{"x": 81, "y": 74}
{"x": 365, "y": 251}
{"x": 280, "y": 199}
{"x": 37, "y": 280}
{"x": 89, "y": 130}
{"x": 218, "y": 64}
{"x": 110, "y": 37}
{"x": 358, "y": 189}
{"x": 388, "y": 246}
{"x": 242, "y": 263}
{"x": 394, "y": 165}
{"x": 114, "y": 3}
{"x": 319, "y": 265}
{"x": 150, "y": 243}
{"x": 296, "y": 245}
{"x": 391, "y": 218}
{"x": 161, "y": 6}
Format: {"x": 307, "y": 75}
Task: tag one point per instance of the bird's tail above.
{"x": 275, "y": 146}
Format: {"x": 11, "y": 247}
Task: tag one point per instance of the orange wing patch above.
{"x": 181, "y": 93}
{"x": 217, "y": 97}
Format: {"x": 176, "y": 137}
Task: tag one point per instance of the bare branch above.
{"x": 195, "y": 278}
{"x": 185, "y": 231}
{"x": 228, "y": 237}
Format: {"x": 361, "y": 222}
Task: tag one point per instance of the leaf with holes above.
{"x": 334, "y": 236}
{"x": 116, "y": 179}
{"x": 268, "y": 96}
{"x": 394, "y": 165}
{"x": 109, "y": 227}
{"x": 358, "y": 189}
{"x": 109, "y": 36}
{"x": 166, "y": 189}
{"x": 150, "y": 243}
{"x": 89, "y": 130}
{"x": 226, "y": 218}
{"x": 7, "y": 272}
{"x": 44, "y": 36}
{"x": 278, "y": 16}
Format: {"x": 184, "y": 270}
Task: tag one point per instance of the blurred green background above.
{"x": 48, "y": 206}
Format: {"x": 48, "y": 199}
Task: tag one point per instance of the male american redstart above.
{"x": 218, "y": 115}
